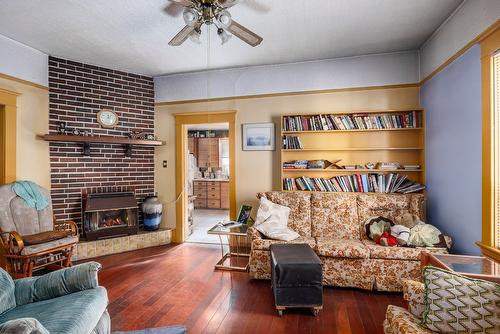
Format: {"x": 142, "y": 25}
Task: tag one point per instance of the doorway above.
{"x": 207, "y": 180}
{"x": 205, "y": 174}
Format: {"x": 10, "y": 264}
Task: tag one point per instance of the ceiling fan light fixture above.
{"x": 190, "y": 16}
{"x": 223, "y": 35}
{"x": 224, "y": 18}
{"x": 195, "y": 36}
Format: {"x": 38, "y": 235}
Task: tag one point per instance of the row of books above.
{"x": 292, "y": 143}
{"x": 411, "y": 119}
{"x": 378, "y": 183}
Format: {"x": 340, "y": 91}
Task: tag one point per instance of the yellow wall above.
{"x": 32, "y": 154}
{"x": 260, "y": 171}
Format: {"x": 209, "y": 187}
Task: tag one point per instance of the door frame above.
{"x": 8, "y": 125}
{"x": 182, "y": 120}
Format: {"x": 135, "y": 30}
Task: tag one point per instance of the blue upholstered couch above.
{"x": 67, "y": 301}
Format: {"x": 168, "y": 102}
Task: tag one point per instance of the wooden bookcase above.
{"x": 357, "y": 147}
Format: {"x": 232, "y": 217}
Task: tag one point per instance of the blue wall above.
{"x": 452, "y": 103}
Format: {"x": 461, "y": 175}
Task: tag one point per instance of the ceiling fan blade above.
{"x": 256, "y": 6}
{"x": 185, "y": 3}
{"x": 244, "y": 34}
{"x": 181, "y": 36}
{"x": 228, "y": 3}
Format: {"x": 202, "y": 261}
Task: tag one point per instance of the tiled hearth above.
{"x": 90, "y": 249}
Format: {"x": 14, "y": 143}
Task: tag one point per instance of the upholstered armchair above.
{"x": 399, "y": 320}
{"x": 64, "y": 301}
{"x": 30, "y": 239}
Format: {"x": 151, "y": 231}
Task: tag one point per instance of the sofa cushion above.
{"x": 334, "y": 215}
{"x": 391, "y": 206}
{"x": 33, "y": 249}
{"x": 403, "y": 322}
{"x": 343, "y": 248}
{"x": 265, "y": 244}
{"x": 77, "y": 312}
{"x": 394, "y": 253}
{"x": 7, "y": 295}
{"x": 300, "y": 209}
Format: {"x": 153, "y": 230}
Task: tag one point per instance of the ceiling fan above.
{"x": 199, "y": 12}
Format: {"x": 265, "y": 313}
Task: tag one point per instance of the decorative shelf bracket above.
{"x": 86, "y": 149}
{"x": 128, "y": 150}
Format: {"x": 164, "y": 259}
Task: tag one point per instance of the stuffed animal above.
{"x": 408, "y": 220}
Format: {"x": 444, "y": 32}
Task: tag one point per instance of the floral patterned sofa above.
{"x": 332, "y": 224}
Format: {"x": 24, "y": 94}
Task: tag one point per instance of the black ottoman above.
{"x": 296, "y": 277}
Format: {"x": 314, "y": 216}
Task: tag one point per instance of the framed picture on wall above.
{"x": 258, "y": 137}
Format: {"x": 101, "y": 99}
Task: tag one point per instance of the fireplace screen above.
{"x": 108, "y": 215}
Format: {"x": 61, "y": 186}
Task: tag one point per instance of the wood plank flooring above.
{"x": 176, "y": 284}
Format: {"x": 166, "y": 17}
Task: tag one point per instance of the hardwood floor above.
{"x": 176, "y": 284}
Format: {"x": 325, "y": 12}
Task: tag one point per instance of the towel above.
{"x": 31, "y": 194}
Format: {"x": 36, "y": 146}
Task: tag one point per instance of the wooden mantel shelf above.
{"x": 87, "y": 140}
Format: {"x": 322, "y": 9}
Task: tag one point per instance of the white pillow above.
{"x": 272, "y": 221}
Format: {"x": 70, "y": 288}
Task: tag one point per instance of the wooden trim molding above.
{"x": 8, "y": 101}
{"x": 490, "y": 160}
{"x": 309, "y": 92}
{"x": 476, "y": 40}
{"x": 181, "y": 121}
{"x": 22, "y": 81}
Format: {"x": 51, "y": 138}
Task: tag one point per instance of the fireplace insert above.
{"x": 109, "y": 215}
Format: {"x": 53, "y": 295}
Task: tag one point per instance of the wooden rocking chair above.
{"x": 31, "y": 240}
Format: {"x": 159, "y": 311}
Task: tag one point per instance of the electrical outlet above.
{"x": 165, "y": 165}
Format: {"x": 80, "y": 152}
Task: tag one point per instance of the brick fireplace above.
{"x": 77, "y": 92}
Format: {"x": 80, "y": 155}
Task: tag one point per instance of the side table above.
{"x": 238, "y": 232}
{"x": 470, "y": 266}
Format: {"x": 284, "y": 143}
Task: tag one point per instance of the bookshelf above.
{"x": 368, "y": 136}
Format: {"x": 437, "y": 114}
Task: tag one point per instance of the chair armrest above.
{"x": 57, "y": 283}
{"x": 253, "y": 233}
{"x": 413, "y": 293}
{"x": 14, "y": 244}
{"x": 66, "y": 226}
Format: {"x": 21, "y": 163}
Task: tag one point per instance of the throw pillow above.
{"x": 426, "y": 235}
{"x": 23, "y": 326}
{"x": 458, "y": 304}
{"x": 376, "y": 226}
{"x": 272, "y": 221}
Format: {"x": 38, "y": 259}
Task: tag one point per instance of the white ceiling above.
{"x": 208, "y": 126}
{"x": 132, "y": 35}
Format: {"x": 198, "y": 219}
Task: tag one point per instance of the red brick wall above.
{"x": 77, "y": 93}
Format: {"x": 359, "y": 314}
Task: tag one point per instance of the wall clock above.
{"x": 107, "y": 118}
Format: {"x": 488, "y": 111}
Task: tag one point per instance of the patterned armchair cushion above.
{"x": 300, "y": 209}
{"x": 265, "y": 244}
{"x": 458, "y": 304}
{"x": 34, "y": 249}
{"x": 15, "y": 215}
{"x": 403, "y": 322}
{"x": 353, "y": 249}
{"x": 334, "y": 215}
{"x": 391, "y": 206}
{"x": 413, "y": 293}
{"x": 7, "y": 288}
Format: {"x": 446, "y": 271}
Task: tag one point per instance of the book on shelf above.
{"x": 379, "y": 183}
{"x": 309, "y": 164}
{"x": 403, "y": 120}
{"x": 292, "y": 143}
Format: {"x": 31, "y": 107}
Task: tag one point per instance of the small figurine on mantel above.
{"x": 142, "y": 135}
{"x": 64, "y": 130}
